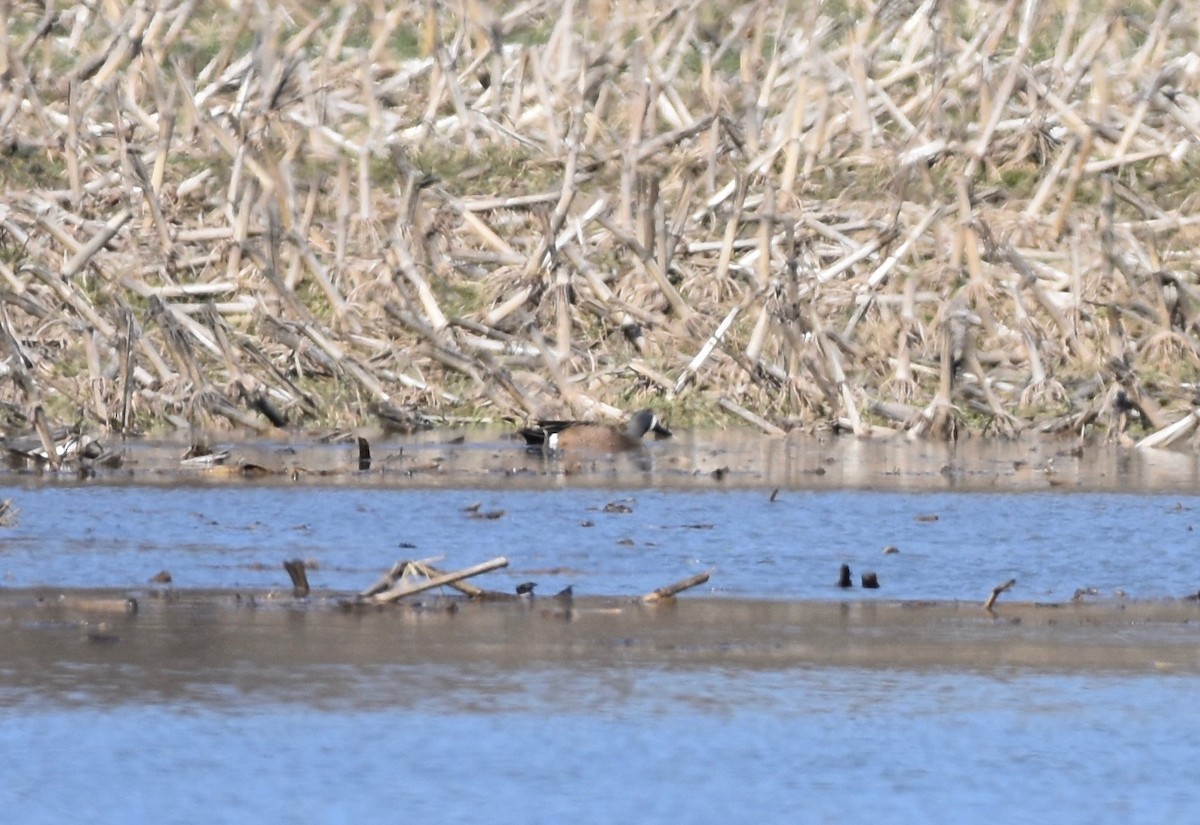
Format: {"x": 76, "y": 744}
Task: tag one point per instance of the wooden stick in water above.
{"x": 403, "y": 590}
{"x": 996, "y": 591}
{"x": 461, "y": 586}
{"x": 678, "y": 587}
{"x": 299, "y": 576}
{"x": 387, "y": 580}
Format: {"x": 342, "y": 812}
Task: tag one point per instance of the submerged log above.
{"x": 299, "y": 575}
{"x": 98, "y": 604}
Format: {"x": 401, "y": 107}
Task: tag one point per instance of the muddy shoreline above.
{"x": 492, "y": 457}
{"x": 186, "y": 636}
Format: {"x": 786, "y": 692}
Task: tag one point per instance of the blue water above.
{"x": 647, "y": 746}
{"x": 1053, "y": 544}
{"x": 435, "y": 743}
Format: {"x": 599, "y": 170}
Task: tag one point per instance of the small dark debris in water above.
{"x": 587, "y": 522}
{"x": 699, "y": 526}
{"x": 407, "y": 545}
{"x": 1083, "y": 592}
{"x": 364, "y": 454}
{"x": 820, "y": 471}
{"x": 844, "y": 579}
{"x": 926, "y": 517}
{"x": 296, "y": 571}
{"x": 162, "y": 577}
{"x": 566, "y": 594}
{"x": 487, "y": 515}
{"x": 254, "y": 471}
{"x": 774, "y": 495}
{"x": 870, "y": 581}
{"x": 890, "y": 549}
{"x": 458, "y": 439}
{"x": 198, "y": 449}
{"x": 526, "y": 588}
{"x": 625, "y": 542}
{"x": 473, "y": 507}
{"x": 720, "y": 473}
{"x": 100, "y": 637}
{"x": 111, "y": 460}
{"x": 617, "y": 507}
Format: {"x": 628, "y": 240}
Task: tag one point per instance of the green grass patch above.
{"x": 30, "y": 168}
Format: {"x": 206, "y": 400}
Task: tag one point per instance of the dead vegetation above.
{"x": 898, "y": 216}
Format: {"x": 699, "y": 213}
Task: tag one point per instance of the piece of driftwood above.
{"x": 387, "y": 580}
{"x": 464, "y": 587}
{"x": 996, "y": 591}
{"x": 402, "y": 590}
{"x": 678, "y": 587}
{"x": 87, "y": 604}
{"x": 299, "y": 575}
{"x": 1168, "y": 435}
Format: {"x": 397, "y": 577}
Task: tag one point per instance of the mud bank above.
{"x": 59, "y": 640}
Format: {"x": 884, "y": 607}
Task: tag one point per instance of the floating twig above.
{"x": 996, "y": 591}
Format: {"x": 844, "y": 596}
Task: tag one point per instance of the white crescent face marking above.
{"x": 552, "y": 441}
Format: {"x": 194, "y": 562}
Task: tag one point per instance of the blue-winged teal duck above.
{"x": 587, "y": 435}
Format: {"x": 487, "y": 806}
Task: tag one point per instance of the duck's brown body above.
{"x": 588, "y": 435}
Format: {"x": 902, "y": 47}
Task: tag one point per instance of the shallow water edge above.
{"x": 490, "y": 457}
